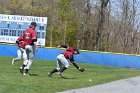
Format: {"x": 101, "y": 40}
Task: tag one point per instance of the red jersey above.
{"x": 69, "y": 53}
{"x": 21, "y": 42}
{"x": 29, "y": 35}
{"x": 71, "y": 49}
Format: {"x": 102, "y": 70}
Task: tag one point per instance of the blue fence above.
{"x": 108, "y": 59}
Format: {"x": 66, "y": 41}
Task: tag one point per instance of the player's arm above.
{"x": 71, "y": 58}
{"x": 79, "y": 68}
{"x": 75, "y": 65}
{"x": 72, "y": 61}
{"x": 17, "y": 41}
{"x": 35, "y": 43}
{"x": 62, "y": 46}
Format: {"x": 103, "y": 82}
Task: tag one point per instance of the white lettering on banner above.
{"x": 17, "y": 18}
{"x": 12, "y": 39}
{"x": 11, "y": 26}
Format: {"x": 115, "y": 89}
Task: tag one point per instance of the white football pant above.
{"x": 30, "y": 51}
{"x": 61, "y": 60}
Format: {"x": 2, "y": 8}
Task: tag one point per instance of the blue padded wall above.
{"x": 108, "y": 59}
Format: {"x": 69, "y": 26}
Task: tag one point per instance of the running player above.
{"x": 29, "y": 37}
{"x": 21, "y": 53}
{"x": 62, "y": 62}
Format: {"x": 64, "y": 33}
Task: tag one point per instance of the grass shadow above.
{"x": 68, "y": 78}
{"x": 33, "y": 74}
{"x": 63, "y": 77}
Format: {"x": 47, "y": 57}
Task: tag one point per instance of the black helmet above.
{"x": 33, "y": 23}
{"x": 77, "y": 50}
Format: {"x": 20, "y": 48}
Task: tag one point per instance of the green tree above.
{"x": 69, "y": 22}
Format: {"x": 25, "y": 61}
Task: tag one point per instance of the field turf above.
{"x": 12, "y": 81}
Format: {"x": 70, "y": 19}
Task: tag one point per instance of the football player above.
{"x": 30, "y": 38}
{"x": 62, "y": 62}
{"x": 21, "y": 53}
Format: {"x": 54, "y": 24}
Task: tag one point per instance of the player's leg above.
{"x": 19, "y": 55}
{"x": 26, "y": 55}
{"x": 31, "y": 52}
{"x": 25, "y": 60}
{"x": 27, "y": 67}
{"x": 61, "y": 60}
{"x": 65, "y": 62}
{"x": 59, "y": 66}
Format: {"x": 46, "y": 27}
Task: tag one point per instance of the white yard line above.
{"x": 129, "y": 85}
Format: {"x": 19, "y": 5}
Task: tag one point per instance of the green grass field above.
{"x": 11, "y": 80}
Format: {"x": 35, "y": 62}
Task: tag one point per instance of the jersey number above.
{"x": 27, "y": 35}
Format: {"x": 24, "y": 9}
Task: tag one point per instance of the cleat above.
{"x": 49, "y": 74}
{"x": 25, "y": 74}
{"x": 61, "y": 74}
{"x": 13, "y": 61}
{"x": 21, "y": 70}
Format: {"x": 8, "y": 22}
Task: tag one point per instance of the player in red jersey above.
{"x": 21, "y": 50}
{"x": 30, "y": 38}
{"x": 62, "y": 62}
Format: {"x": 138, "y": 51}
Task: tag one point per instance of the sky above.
{"x": 116, "y": 6}
{"x": 116, "y": 9}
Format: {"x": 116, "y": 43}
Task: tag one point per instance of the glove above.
{"x": 17, "y": 41}
{"x": 58, "y": 46}
{"x": 81, "y": 69}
